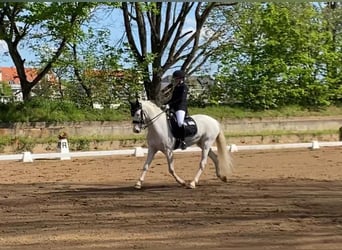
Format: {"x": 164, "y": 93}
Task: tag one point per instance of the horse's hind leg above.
{"x": 213, "y": 156}
{"x": 150, "y": 155}
{"x": 202, "y": 165}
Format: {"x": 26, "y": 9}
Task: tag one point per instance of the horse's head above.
{"x": 137, "y": 115}
{"x": 144, "y": 114}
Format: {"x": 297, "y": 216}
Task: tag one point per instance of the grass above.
{"x": 223, "y": 112}
{"x": 39, "y": 110}
{"x": 42, "y": 110}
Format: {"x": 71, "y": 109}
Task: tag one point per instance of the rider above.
{"x": 179, "y": 102}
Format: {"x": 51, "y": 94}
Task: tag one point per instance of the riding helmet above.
{"x": 178, "y": 74}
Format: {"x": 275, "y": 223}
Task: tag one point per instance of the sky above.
{"x": 108, "y": 19}
{"x": 111, "y": 20}
{"x": 5, "y": 60}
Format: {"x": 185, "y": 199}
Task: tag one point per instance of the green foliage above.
{"x": 34, "y": 27}
{"x": 18, "y": 143}
{"x": 238, "y": 112}
{"x": 79, "y": 144}
{"x": 279, "y": 54}
{"x": 4, "y": 141}
{"x": 24, "y": 144}
{"x": 278, "y": 57}
{"x": 45, "y": 110}
{"x": 5, "y": 89}
{"x": 95, "y": 73}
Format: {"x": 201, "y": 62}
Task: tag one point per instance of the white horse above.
{"x": 146, "y": 114}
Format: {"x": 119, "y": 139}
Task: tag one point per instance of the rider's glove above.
{"x": 165, "y": 107}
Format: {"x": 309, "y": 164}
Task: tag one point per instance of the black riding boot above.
{"x": 182, "y": 138}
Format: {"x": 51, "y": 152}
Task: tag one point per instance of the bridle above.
{"x": 142, "y": 122}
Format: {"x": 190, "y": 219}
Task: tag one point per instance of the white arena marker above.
{"x": 27, "y": 157}
{"x": 63, "y": 148}
{"x": 139, "y": 152}
{"x": 315, "y": 145}
{"x": 233, "y": 148}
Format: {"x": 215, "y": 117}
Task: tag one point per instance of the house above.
{"x": 9, "y": 75}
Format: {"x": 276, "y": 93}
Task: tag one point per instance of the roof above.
{"x": 9, "y": 74}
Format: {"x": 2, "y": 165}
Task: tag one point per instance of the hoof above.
{"x": 183, "y": 184}
{"x": 192, "y": 185}
{"x": 224, "y": 178}
{"x": 137, "y": 185}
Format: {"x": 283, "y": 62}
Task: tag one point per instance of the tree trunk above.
{"x": 26, "y": 88}
{"x": 163, "y": 26}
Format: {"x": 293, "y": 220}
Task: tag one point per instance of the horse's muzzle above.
{"x": 136, "y": 128}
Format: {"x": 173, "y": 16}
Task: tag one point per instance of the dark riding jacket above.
{"x": 179, "y": 99}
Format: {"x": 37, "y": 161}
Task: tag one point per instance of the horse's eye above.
{"x": 137, "y": 114}
{"x": 133, "y": 111}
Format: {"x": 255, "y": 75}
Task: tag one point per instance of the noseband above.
{"x": 141, "y": 121}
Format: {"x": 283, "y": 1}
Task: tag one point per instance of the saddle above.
{"x": 190, "y": 127}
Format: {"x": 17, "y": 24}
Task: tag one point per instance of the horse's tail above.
{"x": 225, "y": 165}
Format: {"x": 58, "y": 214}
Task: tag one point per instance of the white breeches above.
{"x": 180, "y": 114}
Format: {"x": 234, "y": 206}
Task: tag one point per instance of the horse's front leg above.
{"x": 169, "y": 156}
{"x": 150, "y": 154}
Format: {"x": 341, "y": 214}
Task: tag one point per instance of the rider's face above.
{"x": 177, "y": 80}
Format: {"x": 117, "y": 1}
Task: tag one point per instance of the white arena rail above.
{"x": 140, "y": 152}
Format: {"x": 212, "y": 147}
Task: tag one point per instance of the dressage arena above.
{"x": 275, "y": 199}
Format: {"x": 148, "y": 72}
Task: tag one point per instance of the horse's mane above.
{"x": 151, "y": 103}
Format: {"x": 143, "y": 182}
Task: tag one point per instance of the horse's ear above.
{"x": 133, "y": 101}
{"x": 135, "y": 105}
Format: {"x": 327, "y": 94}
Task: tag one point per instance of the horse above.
{"x": 146, "y": 114}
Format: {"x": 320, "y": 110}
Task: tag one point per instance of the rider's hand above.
{"x": 165, "y": 107}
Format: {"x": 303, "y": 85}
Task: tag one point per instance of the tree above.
{"x": 93, "y": 64}
{"x": 162, "y": 39}
{"x": 332, "y": 16}
{"x": 24, "y": 24}
{"x": 276, "y": 56}
{"x": 92, "y": 71}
